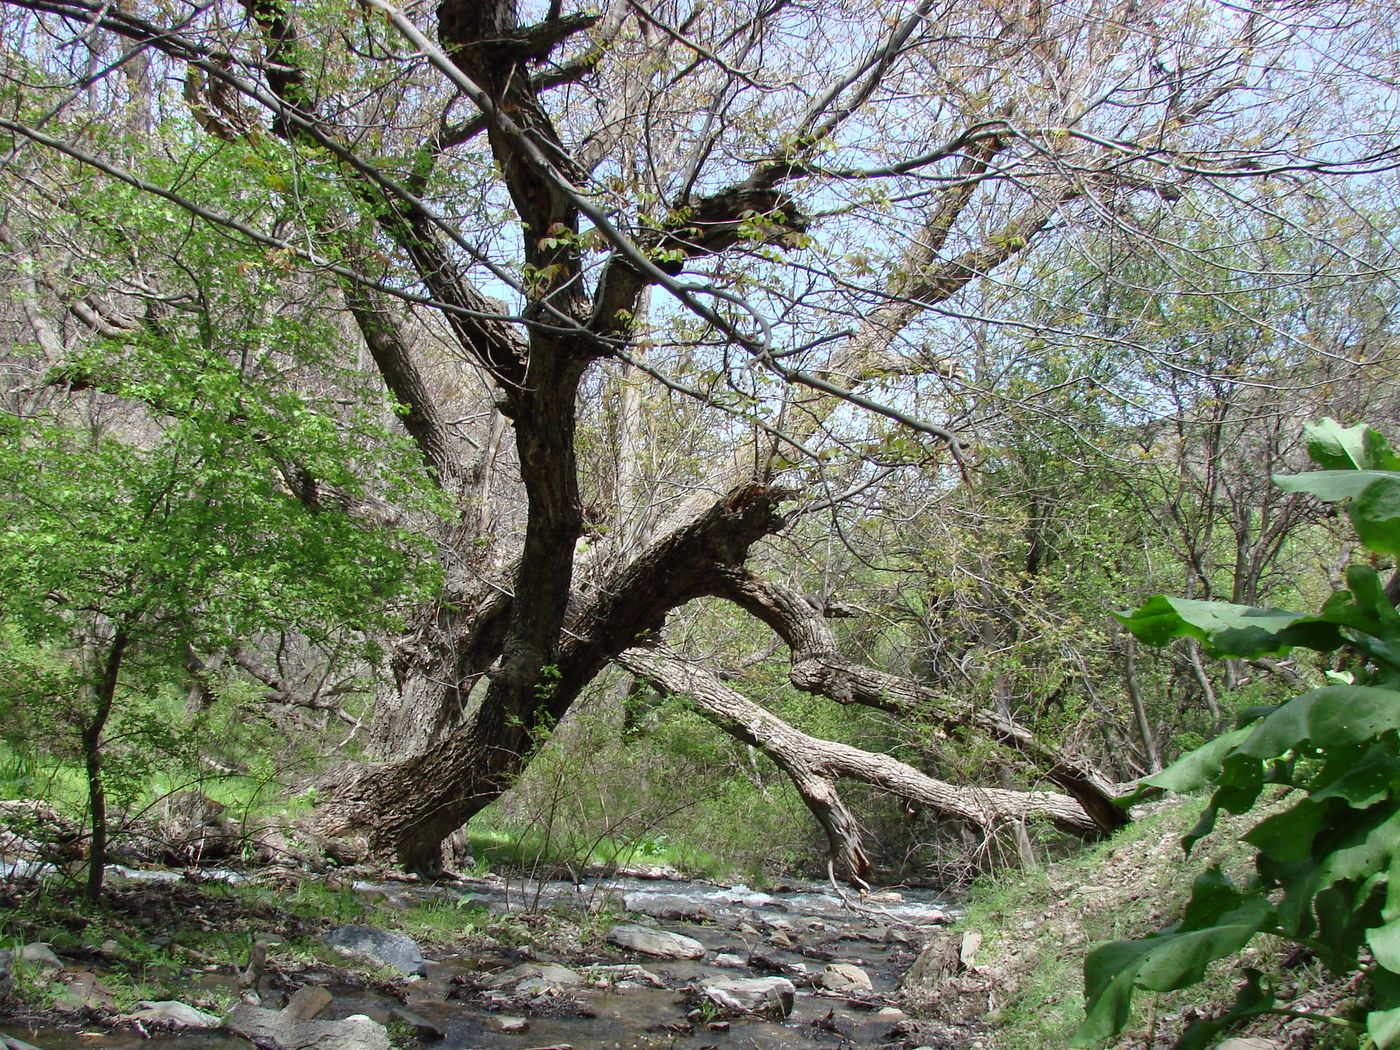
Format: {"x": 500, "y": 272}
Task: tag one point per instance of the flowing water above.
{"x": 794, "y": 934}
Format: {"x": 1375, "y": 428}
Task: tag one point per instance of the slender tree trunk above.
{"x": 1198, "y": 669}
{"x": 104, "y": 693}
{"x": 1144, "y": 724}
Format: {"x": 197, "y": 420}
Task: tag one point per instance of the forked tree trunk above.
{"x": 407, "y": 806}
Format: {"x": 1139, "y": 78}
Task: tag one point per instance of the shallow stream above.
{"x": 795, "y": 934}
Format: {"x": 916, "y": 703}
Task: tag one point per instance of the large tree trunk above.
{"x": 406, "y": 807}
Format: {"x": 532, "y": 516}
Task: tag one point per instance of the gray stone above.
{"x": 9, "y": 1042}
{"x": 1252, "y": 1043}
{"x": 288, "y": 1033}
{"x": 665, "y": 906}
{"x": 846, "y": 979}
{"x": 659, "y": 943}
{"x": 890, "y": 1015}
{"x": 548, "y": 974}
{"x": 306, "y": 1003}
{"x": 730, "y": 962}
{"x": 40, "y": 955}
{"x": 180, "y": 1015}
{"x": 82, "y": 990}
{"x": 391, "y": 949}
{"x": 633, "y": 976}
{"x": 508, "y": 1025}
{"x": 967, "y": 950}
{"x": 7, "y": 973}
{"x": 772, "y": 996}
{"x": 419, "y": 1025}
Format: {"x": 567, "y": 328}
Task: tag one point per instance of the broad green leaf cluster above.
{"x": 1327, "y": 871}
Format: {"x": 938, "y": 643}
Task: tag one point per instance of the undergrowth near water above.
{"x": 1025, "y": 988}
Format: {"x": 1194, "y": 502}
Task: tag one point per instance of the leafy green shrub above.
{"x": 1327, "y": 871}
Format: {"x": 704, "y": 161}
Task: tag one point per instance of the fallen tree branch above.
{"x": 815, "y": 766}
{"x": 818, "y": 667}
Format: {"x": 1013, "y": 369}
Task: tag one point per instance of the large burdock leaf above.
{"x": 1226, "y": 629}
{"x": 1220, "y": 920}
{"x": 1336, "y": 447}
{"x": 1333, "y": 716}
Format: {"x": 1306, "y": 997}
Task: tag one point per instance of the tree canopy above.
{"x": 738, "y": 302}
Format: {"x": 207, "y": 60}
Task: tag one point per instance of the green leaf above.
{"x": 1289, "y": 835}
{"x": 1229, "y": 630}
{"x": 1384, "y": 942}
{"x": 1383, "y": 1025}
{"x": 1332, "y": 716}
{"x": 1196, "y": 769}
{"x": 1376, "y": 515}
{"x": 1166, "y": 961}
{"x": 1331, "y": 486}
{"x": 1363, "y": 783}
{"x": 1335, "y": 447}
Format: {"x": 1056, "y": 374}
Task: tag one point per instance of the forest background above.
{"x": 709, "y": 432}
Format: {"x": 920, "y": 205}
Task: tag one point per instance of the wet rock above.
{"x": 884, "y": 897}
{"x": 730, "y": 962}
{"x": 548, "y": 974}
{"x": 771, "y": 996}
{"x": 41, "y": 956}
{"x": 83, "y": 991}
{"x": 509, "y": 1025}
{"x": 781, "y": 940}
{"x": 659, "y": 943}
{"x": 175, "y": 1014}
{"x": 193, "y": 828}
{"x": 767, "y": 964}
{"x": 753, "y": 898}
{"x": 846, "y": 979}
{"x": 306, "y": 1003}
{"x": 875, "y": 935}
{"x": 390, "y": 949}
{"x": 9, "y": 1042}
{"x": 277, "y": 1029}
{"x": 420, "y": 1026}
{"x": 665, "y": 906}
{"x": 629, "y": 976}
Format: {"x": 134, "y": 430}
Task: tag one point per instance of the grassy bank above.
{"x": 1024, "y": 989}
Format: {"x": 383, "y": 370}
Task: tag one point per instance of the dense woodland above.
{"x": 714, "y": 427}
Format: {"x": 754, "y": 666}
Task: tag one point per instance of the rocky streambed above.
{"x": 630, "y": 963}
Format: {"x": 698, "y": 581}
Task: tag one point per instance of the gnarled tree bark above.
{"x": 815, "y": 766}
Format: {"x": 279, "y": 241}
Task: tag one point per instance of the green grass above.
{"x": 530, "y": 850}
{"x": 1131, "y": 884}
